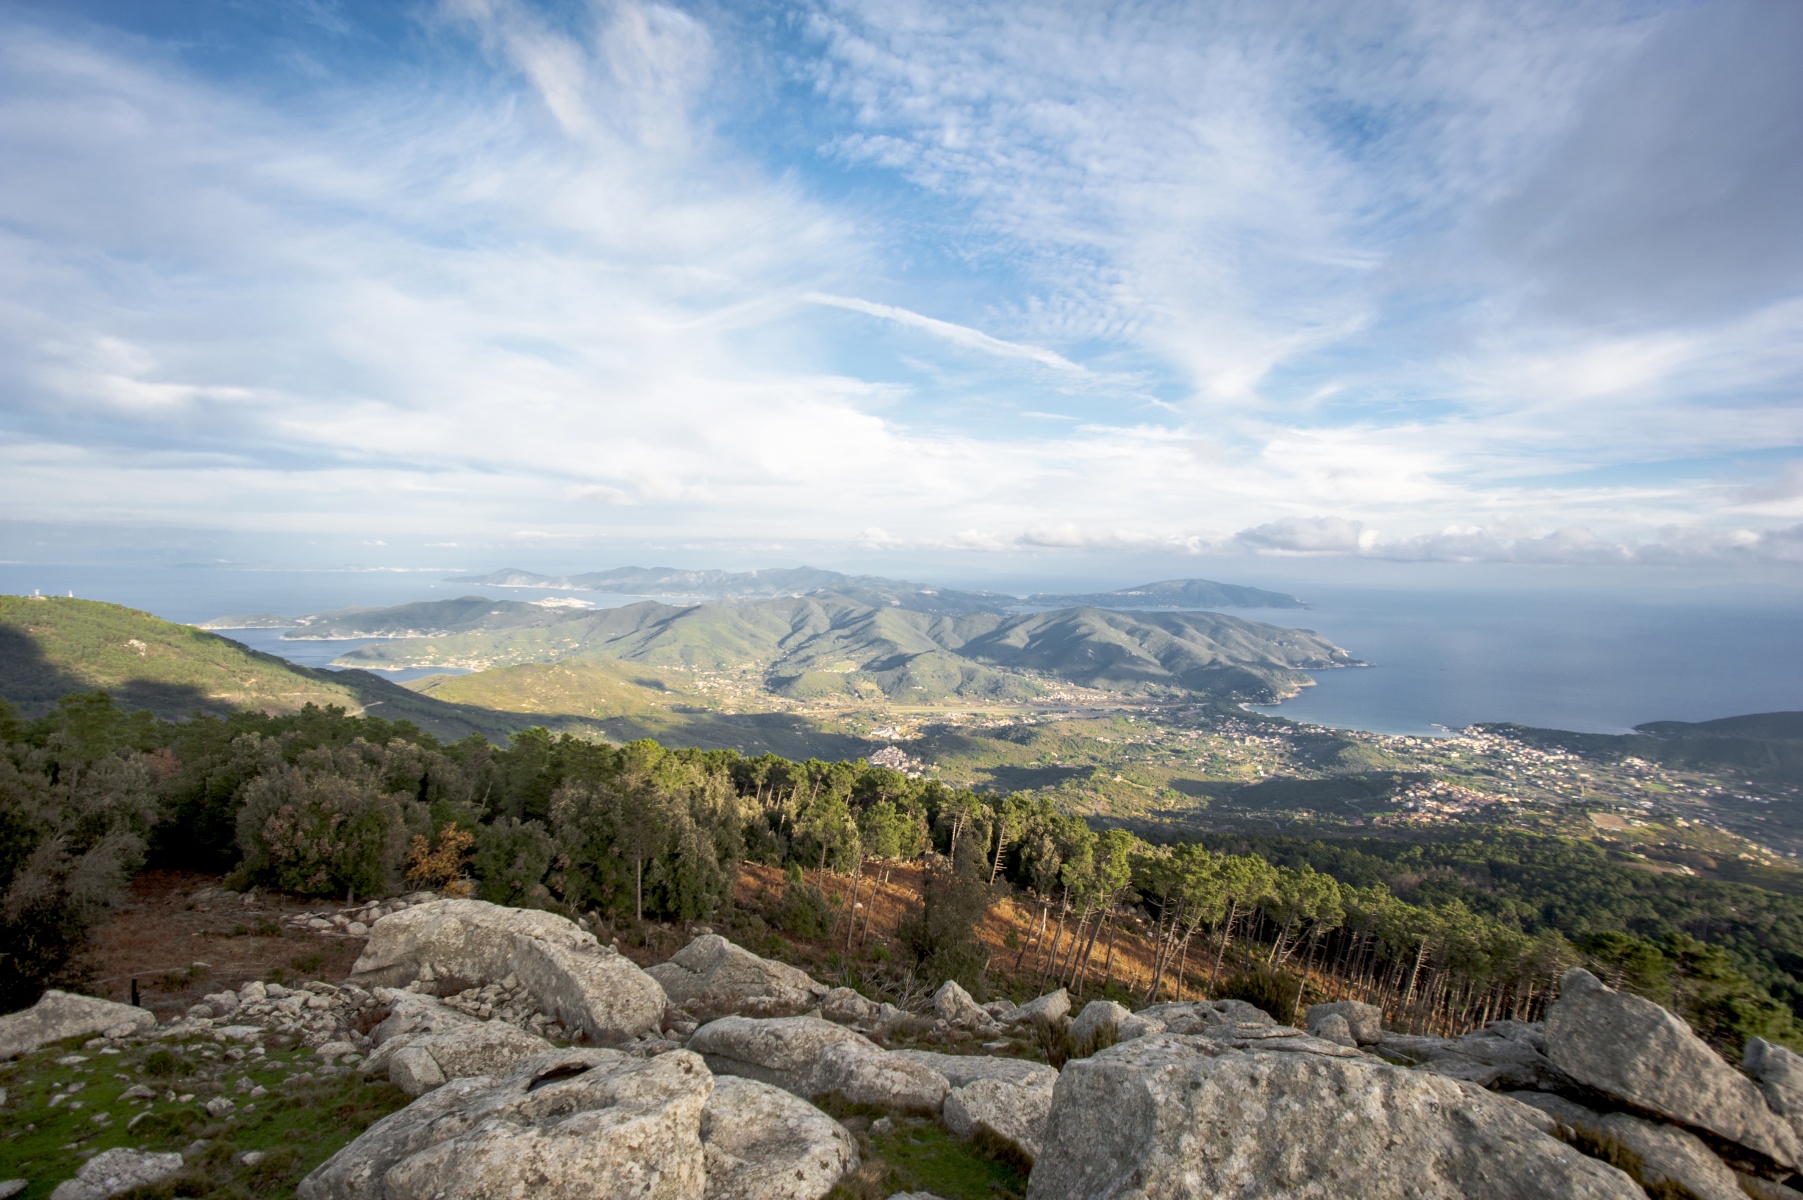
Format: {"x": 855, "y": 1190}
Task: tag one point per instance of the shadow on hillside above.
{"x": 34, "y": 684}
{"x": 750, "y": 734}
{"x": 1344, "y": 795}
{"x": 1027, "y": 779}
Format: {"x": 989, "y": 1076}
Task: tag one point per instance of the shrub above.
{"x": 802, "y": 911}
{"x": 67, "y": 851}
{"x": 323, "y": 825}
{"x": 437, "y": 867}
{"x": 510, "y": 861}
{"x": 941, "y": 935}
{"x": 1277, "y": 992}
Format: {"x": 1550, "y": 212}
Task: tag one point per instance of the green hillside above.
{"x": 53, "y": 646}
{"x": 1762, "y": 746}
{"x": 835, "y": 645}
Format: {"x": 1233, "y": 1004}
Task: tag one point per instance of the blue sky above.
{"x": 469, "y": 279}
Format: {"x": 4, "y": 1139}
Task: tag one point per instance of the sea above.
{"x": 1441, "y": 658}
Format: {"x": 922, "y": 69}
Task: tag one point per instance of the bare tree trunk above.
{"x": 1214, "y": 975}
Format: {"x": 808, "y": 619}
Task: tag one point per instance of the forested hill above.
{"x": 838, "y": 645}
{"x": 53, "y": 646}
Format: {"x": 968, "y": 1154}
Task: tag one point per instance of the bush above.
{"x": 802, "y": 911}
{"x": 68, "y": 849}
{"x": 323, "y": 825}
{"x": 511, "y": 858}
{"x": 1277, "y": 992}
{"x": 941, "y": 935}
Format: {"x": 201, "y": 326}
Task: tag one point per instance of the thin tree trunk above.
{"x": 1214, "y": 975}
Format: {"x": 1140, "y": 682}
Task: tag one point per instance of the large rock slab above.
{"x": 1779, "y": 1072}
{"x": 1098, "y": 1024}
{"x": 761, "y": 1143}
{"x": 450, "y": 945}
{"x": 574, "y": 1123}
{"x": 955, "y": 1006}
{"x": 1191, "y": 1016}
{"x": 1174, "y": 1116}
{"x": 962, "y": 1070}
{"x": 1658, "y": 1155}
{"x": 713, "y": 977}
{"x": 811, "y": 1058}
{"x": 58, "y": 1015}
{"x": 1641, "y": 1054}
{"x": 1365, "y": 1020}
{"x": 1049, "y": 1007}
{"x": 112, "y": 1172}
{"x": 418, "y": 1062}
{"x": 1006, "y": 1119}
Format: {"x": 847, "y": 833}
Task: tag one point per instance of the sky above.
{"x": 486, "y": 282}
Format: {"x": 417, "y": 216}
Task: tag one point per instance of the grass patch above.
{"x": 920, "y": 1156}
{"x": 303, "y": 1117}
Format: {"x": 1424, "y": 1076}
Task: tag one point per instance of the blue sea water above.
{"x": 1442, "y": 658}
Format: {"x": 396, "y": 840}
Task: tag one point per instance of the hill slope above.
{"x": 51, "y": 647}
{"x": 832, "y": 644}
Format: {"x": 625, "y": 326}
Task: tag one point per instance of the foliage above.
{"x": 324, "y": 825}
{"x": 802, "y": 910}
{"x": 74, "y": 812}
{"x": 439, "y": 866}
{"x": 940, "y": 935}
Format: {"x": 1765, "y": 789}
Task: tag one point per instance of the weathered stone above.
{"x": 1000, "y": 1116}
{"x": 114, "y": 1171}
{"x": 1780, "y": 1075}
{"x": 812, "y": 1057}
{"x": 865, "y": 1074}
{"x": 712, "y": 977}
{"x": 58, "y": 1015}
{"x": 1139, "y": 1025}
{"x": 1276, "y": 1039}
{"x": 953, "y": 1005}
{"x": 1365, "y": 1020}
{"x": 1170, "y": 1116}
{"x": 761, "y": 1143}
{"x": 1332, "y": 1027}
{"x": 418, "y": 1062}
{"x": 1637, "y": 1052}
{"x": 413, "y": 1013}
{"x": 847, "y": 1007}
{"x": 962, "y": 1070}
{"x": 1190, "y": 1016}
{"x": 1098, "y": 1024}
{"x": 1657, "y": 1155}
{"x": 12, "y": 1187}
{"x": 455, "y": 944}
{"x": 572, "y": 1123}
{"x": 1761, "y": 1188}
{"x": 1048, "y": 1007}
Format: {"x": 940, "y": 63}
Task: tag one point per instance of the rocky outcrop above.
{"x": 1334, "y": 1028}
{"x": 761, "y": 1143}
{"x": 58, "y": 1015}
{"x": 811, "y": 1057}
{"x": 953, "y": 1005}
{"x": 420, "y": 1061}
{"x": 847, "y": 1007}
{"x": 962, "y": 1070}
{"x": 1004, "y": 1118}
{"x": 1366, "y": 1021}
{"x": 712, "y": 977}
{"x": 1638, "y": 1053}
{"x": 449, "y": 945}
{"x": 1170, "y": 1115}
{"x": 1503, "y": 1054}
{"x": 1099, "y": 1024}
{"x": 1779, "y": 1073}
{"x": 113, "y": 1172}
{"x": 1658, "y": 1156}
{"x": 1050, "y": 1007}
{"x": 1190, "y": 1016}
{"x": 570, "y": 1123}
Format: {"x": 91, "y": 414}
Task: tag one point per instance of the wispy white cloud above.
{"x": 568, "y": 273}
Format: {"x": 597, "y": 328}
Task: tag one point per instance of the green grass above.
{"x": 920, "y": 1156}
{"x": 297, "y": 1124}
